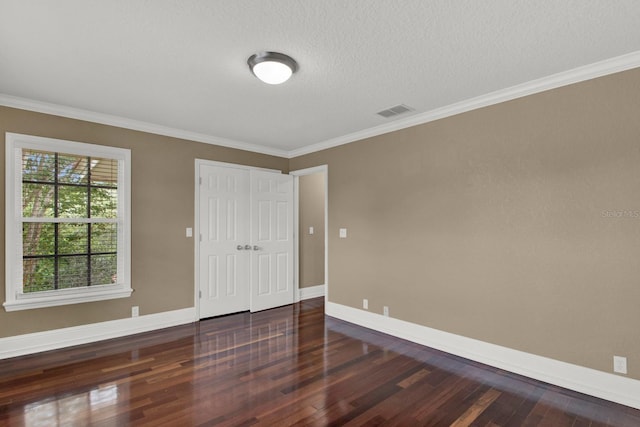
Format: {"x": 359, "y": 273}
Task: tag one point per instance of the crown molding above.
{"x": 122, "y": 122}
{"x": 565, "y": 78}
{"x": 576, "y": 75}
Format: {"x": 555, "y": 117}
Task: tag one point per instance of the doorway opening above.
{"x": 311, "y": 225}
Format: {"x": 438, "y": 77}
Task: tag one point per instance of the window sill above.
{"x": 67, "y": 296}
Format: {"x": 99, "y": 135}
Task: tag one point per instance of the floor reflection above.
{"x": 287, "y": 366}
{"x": 85, "y": 408}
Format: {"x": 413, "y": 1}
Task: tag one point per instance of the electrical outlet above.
{"x": 135, "y": 311}
{"x": 343, "y": 233}
{"x": 365, "y": 304}
{"x": 385, "y": 311}
{"x": 620, "y": 364}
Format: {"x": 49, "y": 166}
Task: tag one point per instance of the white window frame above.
{"x": 15, "y": 298}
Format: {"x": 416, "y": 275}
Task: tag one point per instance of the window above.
{"x": 67, "y": 222}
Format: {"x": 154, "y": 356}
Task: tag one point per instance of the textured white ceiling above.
{"x": 182, "y": 64}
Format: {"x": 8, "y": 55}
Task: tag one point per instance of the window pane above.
{"x": 104, "y": 238}
{"x": 72, "y": 169}
{"x": 104, "y": 172}
{"x": 37, "y": 275}
{"x": 72, "y": 202}
{"x": 104, "y": 269}
{"x": 72, "y": 238}
{"x": 63, "y": 182}
{"x": 37, "y": 239}
{"x": 38, "y": 165}
{"x": 72, "y": 272}
{"x": 104, "y": 203}
{"x": 37, "y": 200}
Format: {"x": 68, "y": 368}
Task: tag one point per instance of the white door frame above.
{"x": 196, "y": 225}
{"x": 296, "y": 226}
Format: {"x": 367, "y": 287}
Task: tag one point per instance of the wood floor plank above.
{"x": 476, "y": 409}
{"x": 287, "y": 366}
{"x": 413, "y": 378}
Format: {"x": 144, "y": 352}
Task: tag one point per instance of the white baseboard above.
{"x": 66, "y": 337}
{"x": 311, "y": 292}
{"x": 600, "y": 384}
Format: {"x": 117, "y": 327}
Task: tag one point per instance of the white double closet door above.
{"x": 245, "y": 259}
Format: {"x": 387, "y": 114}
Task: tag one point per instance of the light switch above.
{"x": 343, "y": 233}
{"x": 189, "y": 232}
{"x": 310, "y": 230}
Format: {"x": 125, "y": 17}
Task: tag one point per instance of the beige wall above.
{"x": 311, "y": 214}
{"x": 501, "y": 224}
{"x": 516, "y": 224}
{"x": 162, "y": 207}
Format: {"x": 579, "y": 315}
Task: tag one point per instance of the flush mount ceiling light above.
{"x": 272, "y": 67}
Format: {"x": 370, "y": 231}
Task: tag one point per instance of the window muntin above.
{"x": 69, "y": 254}
{"x": 68, "y": 226}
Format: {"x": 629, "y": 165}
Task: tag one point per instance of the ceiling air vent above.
{"x": 394, "y": 111}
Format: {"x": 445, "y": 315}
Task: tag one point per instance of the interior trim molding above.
{"x": 36, "y": 342}
{"x": 311, "y": 292}
{"x": 565, "y": 78}
{"x": 123, "y": 122}
{"x": 615, "y": 388}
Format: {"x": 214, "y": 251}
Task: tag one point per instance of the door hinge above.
{"x": 200, "y": 237}
{"x": 200, "y": 180}
{"x": 200, "y": 294}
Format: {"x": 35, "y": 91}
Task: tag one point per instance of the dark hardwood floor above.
{"x": 281, "y": 367}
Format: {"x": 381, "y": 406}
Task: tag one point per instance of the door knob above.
{"x": 256, "y": 248}
{"x": 247, "y": 247}
{"x": 239, "y": 247}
